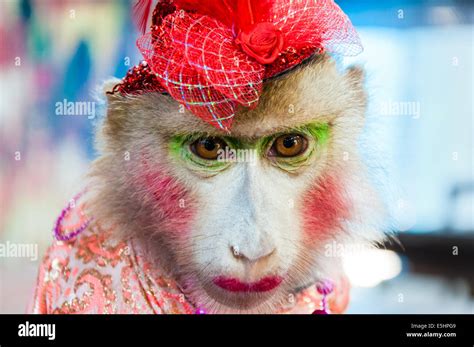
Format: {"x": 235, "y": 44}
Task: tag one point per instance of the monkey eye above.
{"x": 288, "y": 145}
{"x": 208, "y": 148}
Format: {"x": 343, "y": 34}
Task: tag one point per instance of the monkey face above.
{"x": 240, "y": 218}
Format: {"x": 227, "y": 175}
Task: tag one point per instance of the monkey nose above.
{"x": 251, "y": 257}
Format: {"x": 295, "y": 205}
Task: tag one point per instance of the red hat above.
{"x": 213, "y": 56}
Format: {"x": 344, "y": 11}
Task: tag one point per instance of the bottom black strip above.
{"x": 366, "y": 330}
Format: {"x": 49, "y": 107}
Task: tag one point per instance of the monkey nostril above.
{"x": 238, "y": 254}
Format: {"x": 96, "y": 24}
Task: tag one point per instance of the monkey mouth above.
{"x": 236, "y": 286}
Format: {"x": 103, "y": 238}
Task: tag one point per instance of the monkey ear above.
{"x": 355, "y": 75}
{"x": 355, "y": 79}
{"x": 107, "y": 88}
{"x": 116, "y": 116}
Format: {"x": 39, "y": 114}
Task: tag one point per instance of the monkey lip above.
{"x": 234, "y": 285}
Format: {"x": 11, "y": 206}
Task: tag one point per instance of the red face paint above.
{"x": 172, "y": 203}
{"x": 324, "y": 208}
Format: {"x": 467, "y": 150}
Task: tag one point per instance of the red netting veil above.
{"x": 212, "y": 56}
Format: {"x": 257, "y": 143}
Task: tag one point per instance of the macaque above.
{"x": 238, "y": 236}
{"x": 228, "y": 167}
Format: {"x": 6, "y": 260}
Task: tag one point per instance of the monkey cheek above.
{"x": 172, "y": 204}
{"x": 324, "y": 209}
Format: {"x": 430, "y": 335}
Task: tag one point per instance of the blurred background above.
{"x": 418, "y": 142}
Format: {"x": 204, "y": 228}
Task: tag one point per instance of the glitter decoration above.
{"x": 324, "y": 288}
{"x": 289, "y": 59}
{"x": 60, "y": 226}
{"x": 213, "y": 56}
{"x": 164, "y": 8}
{"x": 139, "y": 79}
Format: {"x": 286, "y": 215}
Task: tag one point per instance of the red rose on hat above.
{"x": 261, "y": 41}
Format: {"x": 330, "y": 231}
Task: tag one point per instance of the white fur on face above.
{"x": 252, "y": 209}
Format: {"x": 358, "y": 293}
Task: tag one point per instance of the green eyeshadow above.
{"x": 317, "y": 135}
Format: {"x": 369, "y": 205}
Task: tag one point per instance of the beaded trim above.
{"x": 57, "y": 232}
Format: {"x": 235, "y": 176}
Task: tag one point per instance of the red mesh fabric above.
{"x": 317, "y": 23}
{"x": 208, "y": 81}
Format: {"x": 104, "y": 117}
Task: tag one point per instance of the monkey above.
{"x": 237, "y": 235}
